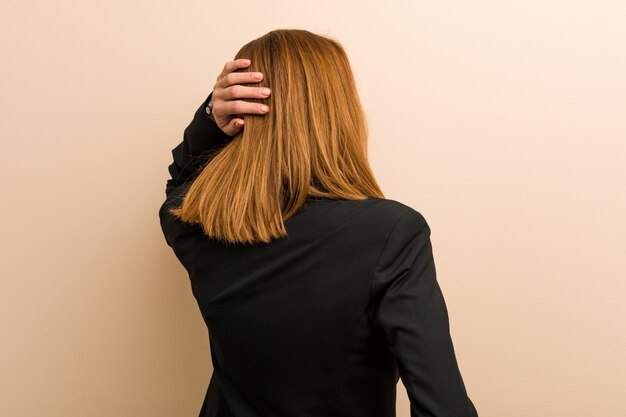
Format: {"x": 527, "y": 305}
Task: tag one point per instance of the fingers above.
{"x": 231, "y": 86}
{"x": 227, "y": 81}
{"x": 245, "y": 107}
{"x": 228, "y": 77}
{"x": 240, "y": 78}
{"x": 237, "y": 123}
{"x": 239, "y": 91}
{"x": 230, "y": 66}
{"x": 233, "y": 127}
{"x": 230, "y": 90}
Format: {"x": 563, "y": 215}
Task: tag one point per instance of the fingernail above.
{"x": 264, "y": 107}
{"x": 265, "y": 91}
{"x": 258, "y": 76}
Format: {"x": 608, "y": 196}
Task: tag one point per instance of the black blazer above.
{"x": 324, "y": 322}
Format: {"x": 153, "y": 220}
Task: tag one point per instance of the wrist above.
{"x": 209, "y": 108}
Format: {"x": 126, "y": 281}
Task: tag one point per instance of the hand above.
{"x": 229, "y": 89}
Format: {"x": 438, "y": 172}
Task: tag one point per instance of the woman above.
{"x": 318, "y": 292}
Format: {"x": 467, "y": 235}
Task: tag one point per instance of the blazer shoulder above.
{"x": 399, "y": 215}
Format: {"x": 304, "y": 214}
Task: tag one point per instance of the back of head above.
{"x": 312, "y": 143}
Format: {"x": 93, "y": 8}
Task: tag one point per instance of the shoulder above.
{"x": 406, "y": 240}
{"x": 400, "y": 218}
{"x": 406, "y": 234}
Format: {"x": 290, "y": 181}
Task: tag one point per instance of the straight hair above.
{"x": 312, "y": 143}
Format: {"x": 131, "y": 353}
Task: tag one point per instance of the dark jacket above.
{"x": 324, "y": 322}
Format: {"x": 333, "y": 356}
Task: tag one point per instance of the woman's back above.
{"x": 324, "y": 322}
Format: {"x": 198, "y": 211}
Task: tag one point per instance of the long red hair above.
{"x": 312, "y": 143}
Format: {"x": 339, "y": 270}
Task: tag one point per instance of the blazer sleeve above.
{"x": 411, "y": 315}
{"x": 201, "y": 138}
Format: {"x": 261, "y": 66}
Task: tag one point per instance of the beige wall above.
{"x": 503, "y": 122}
